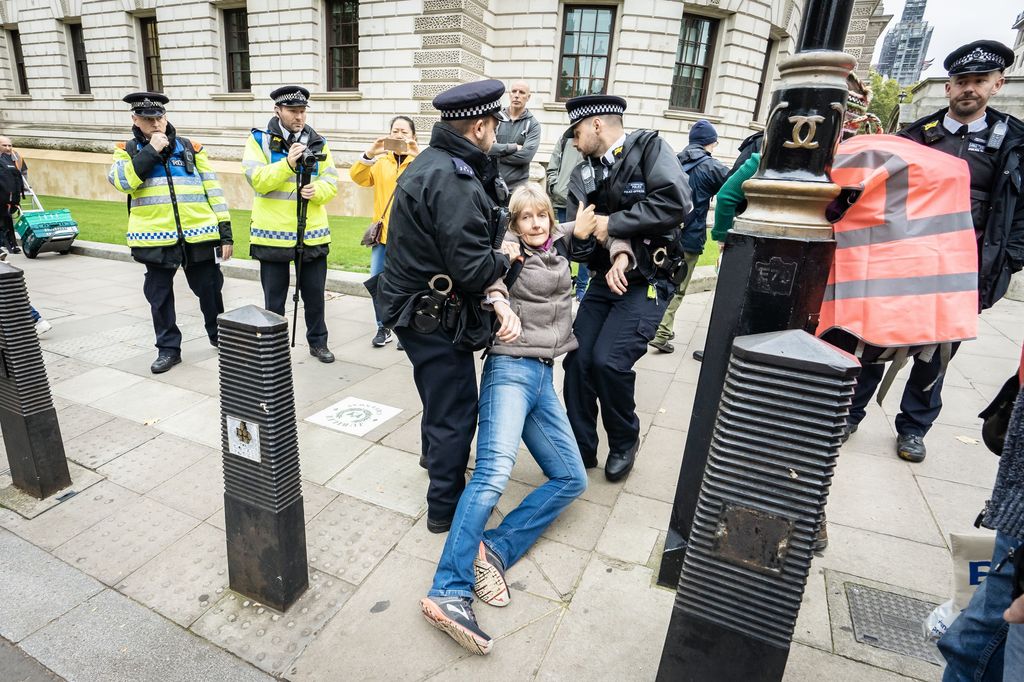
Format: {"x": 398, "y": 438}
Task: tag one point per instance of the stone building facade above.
{"x": 65, "y": 64}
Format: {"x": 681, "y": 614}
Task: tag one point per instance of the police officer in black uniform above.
{"x": 992, "y": 143}
{"x": 443, "y": 276}
{"x": 639, "y": 193}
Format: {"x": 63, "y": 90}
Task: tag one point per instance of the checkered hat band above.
{"x": 472, "y": 112}
{"x": 978, "y": 55}
{"x": 147, "y": 104}
{"x": 583, "y": 112}
{"x": 294, "y": 97}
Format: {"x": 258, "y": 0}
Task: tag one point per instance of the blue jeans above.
{"x": 377, "y": 266}
{"x": 517, "y": 401}
{"x": 582, "y": 273}
{"x": 35, "y": 313}
{"x": 975, "y": 643}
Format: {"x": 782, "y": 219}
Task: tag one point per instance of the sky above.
{"x": 956, "y": 24}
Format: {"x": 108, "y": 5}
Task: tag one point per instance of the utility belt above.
{"x": 660, "y": 263}
{"x": 444, "y": 308}
{"x": 980, "y": 208}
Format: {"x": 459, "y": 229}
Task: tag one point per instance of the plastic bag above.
{"x": 939, "y": 620}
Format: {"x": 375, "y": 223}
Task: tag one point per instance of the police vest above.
{"x": 906, "y": 266}
{"x": 181, "y": 198}
{"x": 274, "y": 218}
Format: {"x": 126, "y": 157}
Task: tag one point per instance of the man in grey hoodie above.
{"x": 517, "y": 139}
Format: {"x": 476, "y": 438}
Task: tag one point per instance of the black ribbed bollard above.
{"x": 263, "y": 517}
{"x": 780, "y": 422}
{"x": 32, "y": 438}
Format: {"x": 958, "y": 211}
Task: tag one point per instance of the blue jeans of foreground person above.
{"x": 517, "y": 400}
{"x": 977, "y": 647}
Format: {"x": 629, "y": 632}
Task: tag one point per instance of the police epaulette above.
{"x": 932, "y": 131}
{"x": 462, "y": 168}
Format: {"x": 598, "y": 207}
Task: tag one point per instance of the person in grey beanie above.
{"x": 706, "y": 176}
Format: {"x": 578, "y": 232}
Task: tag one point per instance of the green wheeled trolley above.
{"x": 42, "y": 231}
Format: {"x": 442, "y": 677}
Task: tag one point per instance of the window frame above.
{"x": 153, "y": 77}
{"x": 708, "y": 65}
{"x": 562, "y": 54}
{"x": 771, "y": 52}
{"x": 342, "y": 47}
{"x": 79, "y": 60}
{"x": 230, "y": 55}
{"x": 17, "y": 56}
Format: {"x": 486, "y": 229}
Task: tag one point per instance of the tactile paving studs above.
{"x": 891, "y": 621}
{"x": 266, "y": 638}
{"x": 349, "y": 537}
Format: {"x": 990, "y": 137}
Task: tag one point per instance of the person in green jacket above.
{"x": 731, "y": 201}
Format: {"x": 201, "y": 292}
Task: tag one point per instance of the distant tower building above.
{"x": 1018, "y": 47}
{"x": 906, "y": 45}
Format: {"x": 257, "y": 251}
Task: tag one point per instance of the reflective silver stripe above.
{"x": 208, "y": 176}
{"x": 277, "y": 194}
{"x": 330, "y": 170}
{"x": 151, "y": 201}
{"x": 252, "y": 164}
{"x": 219, "y": 208}
{"x": 265, "y": 141}
{"x": 916, "y": 227}
{"x": 214, "y": 192}
{"x": 110, "y": 177}
{"x": 903, "y": 286}
{"x": 328, "y": 179}
{"x": 162, "y": 181}
{"x": 122, "y": 178}
{"x": 191, "y": 198}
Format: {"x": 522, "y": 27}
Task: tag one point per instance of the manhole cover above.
{"x": 891, "y": 621}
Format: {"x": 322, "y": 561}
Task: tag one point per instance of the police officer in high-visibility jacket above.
{"x": 177, "y": 216}
{"x": 270, "y": 160}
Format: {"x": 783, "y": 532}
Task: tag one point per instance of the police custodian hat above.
{"x": 981, "y": 56}
{"x": 290, "y": 96}
{"x": 148, "y": 104}
{"x": 471, "y": 100}
{"x": 580, "y": 108}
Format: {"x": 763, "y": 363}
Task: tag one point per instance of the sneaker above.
{"x": 321, "y": 353}
{"x": 15, "y": 249}
{"x": 910, "y": 447}
{"x": 490, "y": 585}
{"x": 382, "y": 338}
{"x": 3, "y": 253}
{"x": 42, "y": 326}
{"x": 454, "y": 616}
{"x": 399, "y": 346}
{"x": 850, "y": 430}
{"x": 662, "y": 345}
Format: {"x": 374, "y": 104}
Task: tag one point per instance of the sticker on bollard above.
{"x": 263, "y": 509}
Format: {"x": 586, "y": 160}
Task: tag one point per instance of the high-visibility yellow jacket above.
{"x": 274, "y": 220}
{"x": 170, "y": 203}
{"x": 382, "y": 174}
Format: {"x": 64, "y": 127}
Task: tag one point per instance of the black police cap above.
{"x": 290, "y": 96}
{"x": 471, "y": 100}
{"x": 148, "y": 104}
{"x": 580, "y": 108}
{"x": 981, "y": 56}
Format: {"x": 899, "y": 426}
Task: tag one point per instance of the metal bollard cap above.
{"x": 796, "y": 349}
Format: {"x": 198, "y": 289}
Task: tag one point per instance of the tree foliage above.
{"x": 886, "y": 96}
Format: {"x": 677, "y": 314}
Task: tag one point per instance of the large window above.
{"x": 151, "y": 55}
{"x": 81, "y": 65}
{"x": 586, "y": 50}
{"x": 342, "y": 44}
{"x": 20, "y": 81}
{"x": 766, "y": 67}
{"x": 236, "y": 32}
{"x": 692, "y": 74}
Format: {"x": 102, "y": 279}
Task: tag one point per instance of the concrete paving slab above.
{"x": 73, "y": 516}
{"x": 315, "y": 381}
{"x": 189, "y": 374}
{"x": 266, "y": 638}
{"x": 674, "y": 410}
{"x": 614, "y": 603}
{"x": 30, "y": 507}
{"x": 109, "y": 440}
{"x": 579, "y": 525}
{"x": 843, "y": 633}
{"x": 633, "y": 527}
{"x": 199, "y": 423}
{"x": 955, "y": 505}
{"x": 656, "y": 471}
{"x": 406, "y": 437}
{"x": 882, "y": 496}
{"x": 154, "y": 462}
{"x": 350, "y": 537}
{"x": 37, "y": 587}
{"x": 324, "y": 452}
{"x": 125, "y": 540}
{"x": 813, "y": 627}
{"x": 562, "y": 565}
{"x": 958, "y": 455}
{"x": 112, "y": 353}
{"x": 183, "y": 581}
{"x": 94, "y": 384}
{"x": 875, "y": 436}
{"x": 61, "y": 368}
{"x": 112, "y": 639}
{"x": 197, "y": 491}
{"x": 806, "y": 664}
{"x": 386, "y": 477}
{"x": 148, "y": 401}
{"x": 20, "y": 667}
{"x": 651, "y": 389}
{"x": 76, "y": 419}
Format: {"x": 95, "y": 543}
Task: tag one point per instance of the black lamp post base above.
{"x": 35, "y": 452}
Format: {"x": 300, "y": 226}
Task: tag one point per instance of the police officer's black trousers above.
{"x": 312, "y": 279}
{"x": 7, "y": 235}
{"x": 445, "y": 377}
{"x": 204, "y": 279}
{"x": 919, "y": 408}
{"x": 613, "y": 332}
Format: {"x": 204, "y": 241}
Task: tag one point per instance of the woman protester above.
{"x": 379, "y": 168}
{"x": 517, "y": 401}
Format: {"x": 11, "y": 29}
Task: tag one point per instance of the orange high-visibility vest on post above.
{"x": 906, "y": 264}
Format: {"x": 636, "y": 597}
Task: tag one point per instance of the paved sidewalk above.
{"x": 127, "y": 579}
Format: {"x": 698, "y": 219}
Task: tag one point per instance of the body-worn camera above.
{"x": 500, "y": 218}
